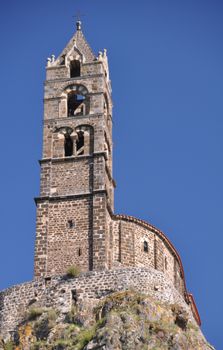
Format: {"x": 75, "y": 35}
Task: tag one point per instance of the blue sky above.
{"x": 167, "y": 78}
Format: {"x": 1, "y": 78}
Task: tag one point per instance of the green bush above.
{"x": 34, "y": 313}
{"x": 85, "y": 337}
{"x": 9, "y": 345}
{"x": 43, "y": 326}
{"x": 70, "y": 316}
{"x": 62, "y": 342}
{"x": 73, "y": 271}
{"x": 39, "y": 345}
{"x": 52, "y": 315}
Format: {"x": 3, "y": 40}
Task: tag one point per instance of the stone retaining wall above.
{"x": 58, "y": 292}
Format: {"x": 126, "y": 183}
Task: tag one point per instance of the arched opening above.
{"x": 62, "y": 60}
{"x": 75, "y": 69}
{"x": 80, "y": 143}
{"x": 68, "y": 145}
{"x": 84, "y": 140}
{"x": 75, "y": 104}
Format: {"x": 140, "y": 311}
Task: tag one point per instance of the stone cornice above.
{"x": 67, "y": 197}
{"x": 71, "y": 80}
{"x": 64, "y": 97}
{"x": 87, "y": 116}
{"x": 72, "y": 159}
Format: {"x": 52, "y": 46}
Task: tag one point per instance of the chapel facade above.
{"x": 76, "y": 224}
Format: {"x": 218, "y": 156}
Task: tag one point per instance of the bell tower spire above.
{"x": 76, "y": 189}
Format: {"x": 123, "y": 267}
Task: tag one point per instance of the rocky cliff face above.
{"x": 123, "y": 320}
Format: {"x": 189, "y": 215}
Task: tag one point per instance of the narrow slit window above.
{"x": 79, "y": 252}
{"x": 74, "y": 296}
{"x": 145, "y": 247}
{"x": 71, "y": 224}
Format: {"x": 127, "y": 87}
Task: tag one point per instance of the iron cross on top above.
{"x": 79, "y": 15}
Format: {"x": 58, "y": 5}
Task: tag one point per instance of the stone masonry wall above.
{"x": 65, "y": 176}
{"x": 75, "y": 186}
{"x": 57, "y": 292}
{"x": 127, "y": 249}
{"x": 78, "y": 188}
{"x": 68, "y": 246}
{"x": 68, "y": 224}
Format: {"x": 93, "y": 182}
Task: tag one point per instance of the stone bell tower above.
{"x": 76, "y": 191}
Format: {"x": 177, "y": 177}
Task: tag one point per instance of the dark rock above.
{"x": 122, "y": 320}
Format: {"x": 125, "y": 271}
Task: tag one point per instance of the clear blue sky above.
{"x": 166, "y": 65}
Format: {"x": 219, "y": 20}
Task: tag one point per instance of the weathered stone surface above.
{"x": 75, "y": 185}
{"x": 75, "y": 222}
{"x": 76, "y": 228}
{"x": 79, "y": 188}
{"x": 60, "y": 292}
{"x": 123, "y": 320}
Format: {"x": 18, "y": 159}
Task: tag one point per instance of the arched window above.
{"x": 84, "y": 140}
{"x": 80, "y": 143}
{"x": 145, "y": 247}
{"x": 68, "y": 145}
{"x": 75, "y": 69}
{"x": 75, "y": 104}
